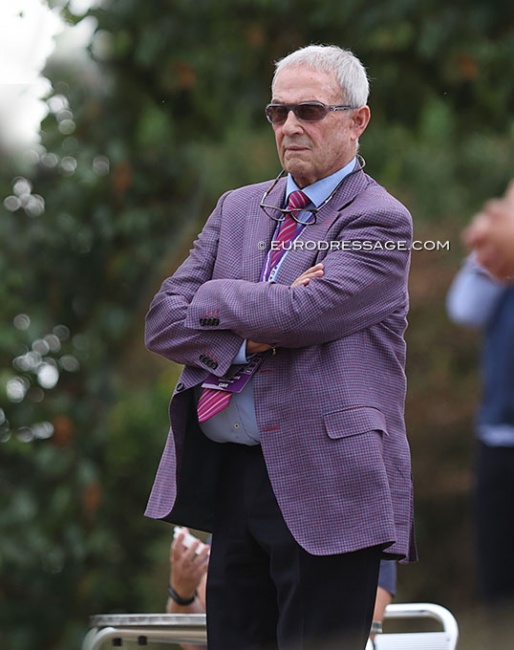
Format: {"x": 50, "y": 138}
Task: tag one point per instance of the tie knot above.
{"x": 297, "y": 201}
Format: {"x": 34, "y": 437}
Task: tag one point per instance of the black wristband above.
{"x": 376, "y": 627}
{"x": 178, "y": 599}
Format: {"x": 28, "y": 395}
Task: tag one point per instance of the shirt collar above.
{"x": 320, "y": 190}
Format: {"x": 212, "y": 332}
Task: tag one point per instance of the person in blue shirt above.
{"x": 476, "y": 299}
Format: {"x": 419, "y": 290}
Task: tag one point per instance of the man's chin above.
{"x": 297, "y": 168}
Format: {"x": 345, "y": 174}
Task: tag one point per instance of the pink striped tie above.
{"x": 213, "y": 401}
{"x": 297, "y": 201}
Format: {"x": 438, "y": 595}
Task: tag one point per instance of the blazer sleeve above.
{"x": 165, "y": 331}
{"x": 359, "y": 288}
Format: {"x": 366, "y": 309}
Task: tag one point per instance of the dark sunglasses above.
{"x": 305, "y": 111}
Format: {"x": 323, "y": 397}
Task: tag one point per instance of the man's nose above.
{"x": 292, "y": 123}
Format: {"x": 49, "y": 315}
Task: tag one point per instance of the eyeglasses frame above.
{"x": 314, "y": 211}
{"x": 293, "y": 107}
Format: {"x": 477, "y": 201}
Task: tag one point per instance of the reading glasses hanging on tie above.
{"x": 310, "y": 215}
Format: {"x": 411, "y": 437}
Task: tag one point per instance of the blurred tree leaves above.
{"x": 142, "y": 135}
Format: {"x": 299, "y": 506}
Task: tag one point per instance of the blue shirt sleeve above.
{"x": 240, "y": 357}
{"x": 387, "y": 576}
{"x": 473, "y": 295}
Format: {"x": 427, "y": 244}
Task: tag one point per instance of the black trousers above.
{"x": 264, "y": 592}
{"x": 494, "y": 512}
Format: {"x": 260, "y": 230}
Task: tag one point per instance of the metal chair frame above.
{"x": 191, "y": 628}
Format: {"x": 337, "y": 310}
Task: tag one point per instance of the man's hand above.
{"x": 187, "y": 566}
{"x": 303, "y": 280}
{"x": 316, "y": 271}
{"x": 252, "y": 347}
{"x": 491, "y": 236}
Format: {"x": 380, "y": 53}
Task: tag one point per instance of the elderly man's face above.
{"x": 310, "y": 151}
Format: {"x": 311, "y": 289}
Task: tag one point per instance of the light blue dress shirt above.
{"x": 237, "y": 422}
{"x": 471, "y": 301}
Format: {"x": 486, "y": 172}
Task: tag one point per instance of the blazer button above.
{"x": 180, "y": 386}
{"x": 214, "y": 365}
{"x": 215, "y": 321}
{"x": 202, "y": 321}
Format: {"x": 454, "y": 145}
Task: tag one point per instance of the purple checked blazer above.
{"x": 330, "y": 402}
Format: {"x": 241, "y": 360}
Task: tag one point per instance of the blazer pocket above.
{"x": 353, "y": 421}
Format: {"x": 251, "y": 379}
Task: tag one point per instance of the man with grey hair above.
{"x": 287, "y": 436}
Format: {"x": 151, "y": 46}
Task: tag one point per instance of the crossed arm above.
{"x": 345, "y": 293}
{"x": 302, "y": 280}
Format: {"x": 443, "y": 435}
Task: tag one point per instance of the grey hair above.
{"x": 349, "y": 71}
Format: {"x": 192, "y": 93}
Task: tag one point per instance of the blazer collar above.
{"x": 351, "y": 186}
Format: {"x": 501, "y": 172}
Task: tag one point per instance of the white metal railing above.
{"x": 171, "y": 628}
{"x": 191, "y": 628}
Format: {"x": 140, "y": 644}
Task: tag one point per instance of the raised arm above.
{"x": 473, "y": 295}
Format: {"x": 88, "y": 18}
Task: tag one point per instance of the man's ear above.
{"x": 361, "y": 117}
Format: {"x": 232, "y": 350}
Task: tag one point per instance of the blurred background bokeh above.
{"x": 150, "y": 111}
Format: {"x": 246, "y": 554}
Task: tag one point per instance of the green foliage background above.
{"x": 142, "y": 135}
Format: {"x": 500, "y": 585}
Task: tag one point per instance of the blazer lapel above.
{"x": 350, "y": 188}
{"x": 297, "y": 261}
{"x": 258, "y": 232}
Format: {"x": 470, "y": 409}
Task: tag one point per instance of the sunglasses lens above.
{"x": 276, "y": 114}
{"x": 310, "y": 112}
{"x": 306, "y": 111}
